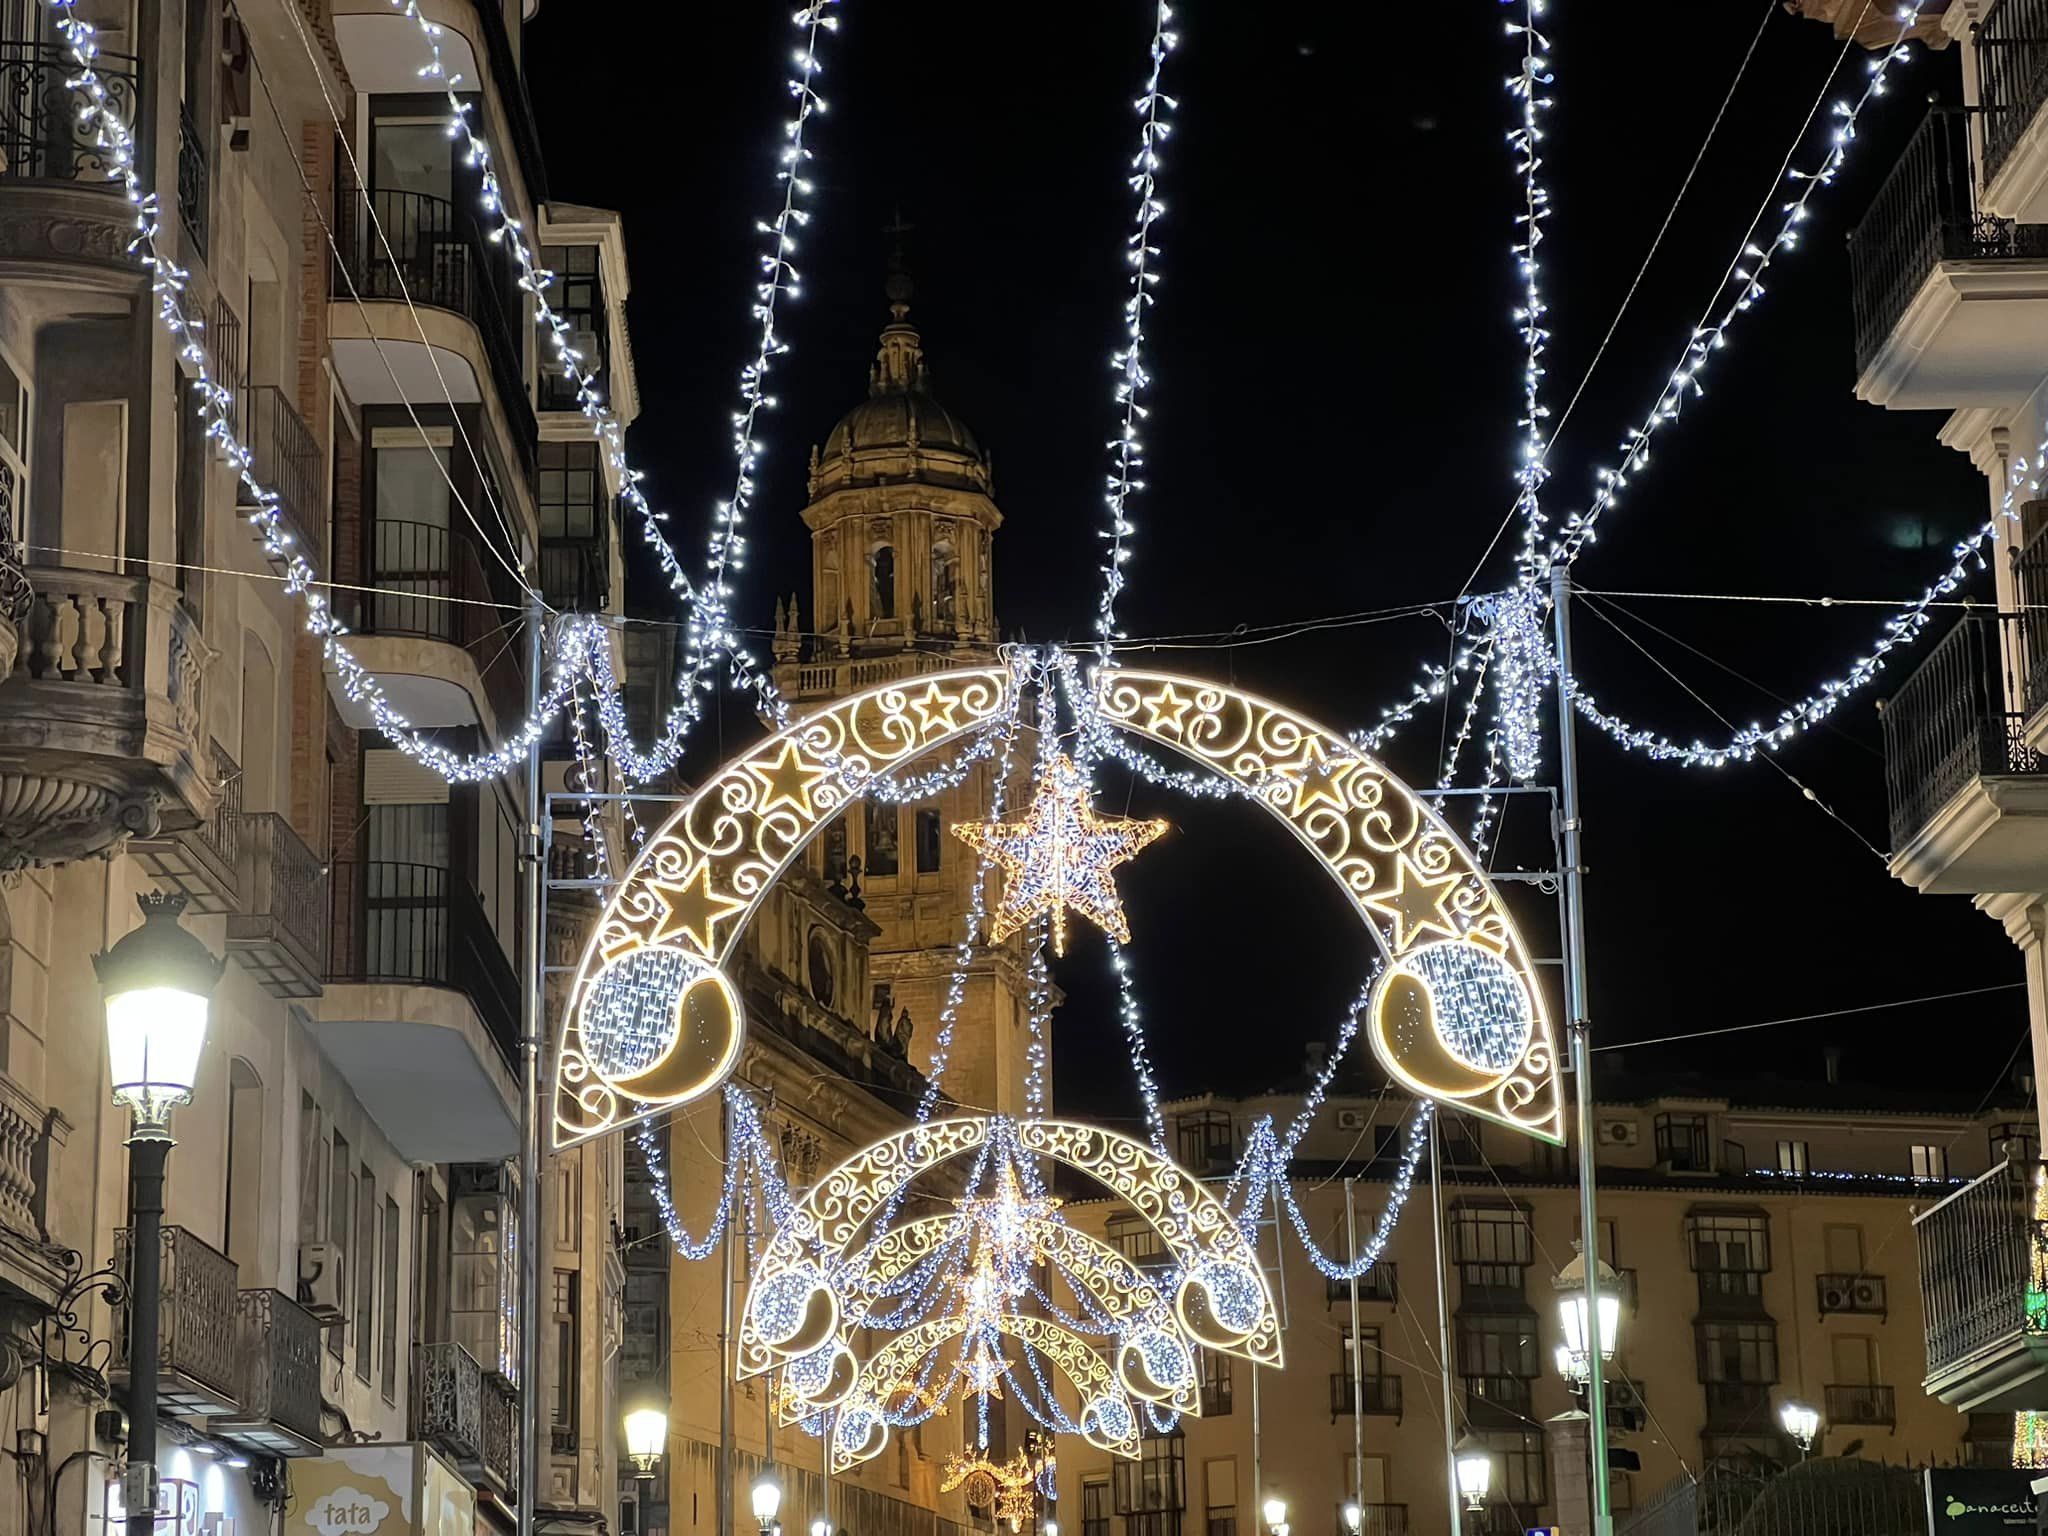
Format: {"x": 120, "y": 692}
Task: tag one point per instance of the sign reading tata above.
{"x": 1971, "y": 1501}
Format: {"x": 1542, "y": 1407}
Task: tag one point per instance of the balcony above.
{"x": 1969, "y": 796}
{"x": 286, "y": 458}
{"x": 1381, "y": 1283}
{"x": 466, "y": 1413}
{"x": 412, "y": 260}
{"x": 99, "y": 718}
{"x": 1945, "y": 296}
{"x": 1383, "y": 1520}
{"x": 1379, "y": 1396}
{"x": 193, "y": 181}
{"x": 421, "y": 1010}
{"x": 2011, "y": 45}
{"x": 40, "y": 136}
{"x": 203, "y": 861}
{"x": 280, "y": 930}
{"x": 431, "y": 628}
{"x": 197, "y": 1371}
{"x": 1987, "y": 1339}
{"x": 1739, "y": 1408}
{"x": 278, "y": 1343}
{"x": 574, "y": 574}
{"x": 31, "y": 1139}
{"x": 1860, "y": 1404}
{"x": 1497, "y": 1402}
{"x": 1860, "y": 1295}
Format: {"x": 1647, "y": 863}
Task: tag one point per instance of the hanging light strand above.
{"x": 1526, "y": 86}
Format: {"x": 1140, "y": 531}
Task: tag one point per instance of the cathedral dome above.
{"x": 900, "y": 432}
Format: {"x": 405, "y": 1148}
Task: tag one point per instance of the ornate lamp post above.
{"x": 157, "y": 985}
{"x": 1801, "y": 1423}
{"x": 646, "y": 1440}
{"x": 767, "y": 1499}
{"x": 1354, "y": 1516}
{"x": 1574, "y": 1355}
{"x": 1475, "y": 1472}
{"x": 1275, "y": 1511}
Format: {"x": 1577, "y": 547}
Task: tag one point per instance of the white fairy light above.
{"x": 1526, "y": 86}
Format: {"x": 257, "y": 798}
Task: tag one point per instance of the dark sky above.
{"x": 1333, "y": 431}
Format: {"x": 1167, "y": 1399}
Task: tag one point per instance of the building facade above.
{"x": 339, "y": 1310}
{"x": 1765, "y": 1255}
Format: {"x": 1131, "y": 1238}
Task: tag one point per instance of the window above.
{"x": 1206, "y": 1140}
{"x": 818, "y": 962}
{"x": 1731, "y": 1253}
{"x": 1371, "y": 1362}
{"x": 1151, "y": 1492}
{"x": 341, "y": 1219}
{"x": 1792, "y": 1157}
{"x": 1744, "y": 1352}
{"x": 403, "y": 886}
{"x": 833, "y": 846}
{"x": 1136, "y": 1239}
{"x": 577, "y": 295}
{"x": 1930, "y": 1162}
{"x": 1095, "y": 1506}
{"x": 571, "y": 496}
{"x": 881, "y": 846}
{"x": 1520, "y": 1472}
{"x": 1219, "y": 1496}
{"x": 562, "y": 1414}
{"x": 1494, "y": 1345}
{"x": 14, "y": 400}
{"x": 388, "y": 1342}
{"x": 411, "y": 563}
{"x": 1682, "y": 1142}
{"x": 930, "y": 838}
{"x": 367, "y": 1215}
{"x": 1844, "y": 1247}
{"x": 945, "y": 583}
{"x": 2023, "y": 1133}
{"x": 1491, "y": 1234}
{"x": 1461, "y": 1147}
{"x": 1216, "y": 1385}
{"x": 882, "y": 582}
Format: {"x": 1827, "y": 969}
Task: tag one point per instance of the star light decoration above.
{"x": 1059, "y": 857}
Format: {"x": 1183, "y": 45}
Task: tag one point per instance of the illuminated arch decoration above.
{"x": 1108, "y": 1418}
{"x": 1458, "y": 1012}
{"x": 1152, "y": 1361}
{"x": 803, "y": 1294}
{"x": 653, "y": 1020}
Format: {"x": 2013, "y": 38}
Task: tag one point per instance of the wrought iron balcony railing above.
{"x": 1383, "y": 1520}
{"x": 1863, "y": 1294}
{"x": 197, "y": 1372}
{"x": 410, "y": 247}
{"x": 193, "y": 181}
{"x": 431, "y": 581}
{"x": 278, "y": 1342}
{"x": 448, "y": 1400}
{"x": 1974, "y": 1251}
{"x": 1925, "y": 213}
{"x": 397, "y": 922}
{"x": 1859, "y": 1404}
{"x": 282, "y": 928}
{"x": 501, "y": 1434}
{"x": 288, "y": 461}
{"x": 204, "y": 861}
{"x": 1377, "y": 1395}
{"x": 2011, "y": 44}
{"x": 41, "y": 138}
{"x": 1949, "y": 724}
{"x": 2030, "y": 583}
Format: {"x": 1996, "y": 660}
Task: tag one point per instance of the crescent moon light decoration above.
{"x": 1458, "y": 1013}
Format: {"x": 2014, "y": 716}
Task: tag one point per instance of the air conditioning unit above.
{"x": 1834, "y": 1298}
{"x": 1620, "y": 1133}
{"x": 1866, "y": 1293}
{"x": 1350, "y": 1119}
{"x": 322, "y": 1268}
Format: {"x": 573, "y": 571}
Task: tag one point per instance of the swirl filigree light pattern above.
{"x": 1458, "y": 1013}
{"x": 653, "y": 1020}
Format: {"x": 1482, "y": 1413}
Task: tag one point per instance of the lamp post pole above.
{"x": 147, "y": 1156}
{"x": 532, "y": 854}
{"x": 1581, "y": 1032}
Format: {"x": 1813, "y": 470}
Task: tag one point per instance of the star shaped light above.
{"x": 1059, "y": 856}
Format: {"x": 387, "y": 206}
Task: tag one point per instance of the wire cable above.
{"x": 1808, "y": 1018}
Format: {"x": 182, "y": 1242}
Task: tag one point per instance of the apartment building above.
{"x": 1762, "y": 1234}
{"x": 339, "y": 1306}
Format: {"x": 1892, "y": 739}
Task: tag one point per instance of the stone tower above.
{"x": 902, "y": 519}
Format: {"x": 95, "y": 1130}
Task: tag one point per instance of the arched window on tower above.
{"x": 945, "y": 583}
{"x": 882, "y": 582}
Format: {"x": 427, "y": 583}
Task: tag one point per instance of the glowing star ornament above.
{"x": 983, "y": 1368}
{"x": 1059, "y": 857}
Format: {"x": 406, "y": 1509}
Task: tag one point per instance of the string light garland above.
{"x": 1126, "y": 450}
{"x": 1526, "y": 86}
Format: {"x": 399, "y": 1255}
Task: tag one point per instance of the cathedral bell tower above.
{"x": 902, "y": 521}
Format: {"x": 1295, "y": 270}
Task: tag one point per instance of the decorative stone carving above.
{"x": 46, "y": 819}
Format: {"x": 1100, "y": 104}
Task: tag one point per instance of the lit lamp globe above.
{"x": 1475, "y": 1471}
{"x": 1575, "y": 1355}
{"x": 1801, "y": 1423}
{"x": 646, "y": 1439}
{"x": 1275, "y": 1511}
{"x": 821, "y": 1527}
{"x": 1050, "y": 1528}
{"x": 157, "y": 984}
{"x": 1354, "y": 1517}
{"x": 767, "y": 1498}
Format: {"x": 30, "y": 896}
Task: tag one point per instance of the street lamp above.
{"x": 646, "y": 1439}
{"x": 1475, "y": 1471}
{"x": 1354, "y": 1517}
{"x": 157, "y": 986}
{"x": 1574, "y": 1355}
{"x": 767, "y": 1498}
{"x": 1801, "y": 1423}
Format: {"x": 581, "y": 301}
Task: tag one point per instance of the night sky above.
{"x": 1333, "y": 430}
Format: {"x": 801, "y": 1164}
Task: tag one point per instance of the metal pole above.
{"x": 1443, "y": 1328}
{"x": 1357, "y": 1360}
{"x": 146, "y": 1158}
{"x": 831, "y": 1429}
{"x": 1258, "y": 1483}
{"x": 530, "y": 1026}
{"x": 1582, "y": 1058}
{"x": 725, "y": 1446}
